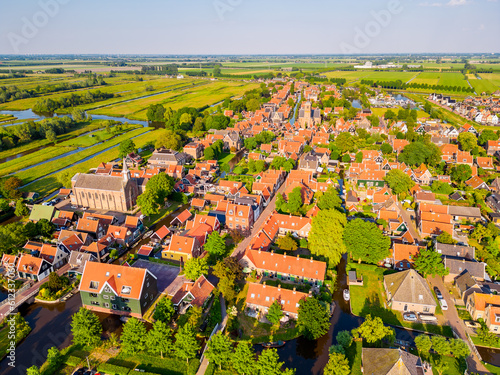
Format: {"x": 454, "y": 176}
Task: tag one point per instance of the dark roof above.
{"x": 458, "y": 266}
{"x": 456, "y": 196}
{"x": 455, "y": 251}
{"x": 465, "y": 281}
{"x": 378, "y": 361}
{"x": 409, "y": 286}
{"x": 99, "y": 182}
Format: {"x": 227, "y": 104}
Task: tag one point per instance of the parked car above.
{"x": 410, "y": 317}
{"x": 438, "y": 293}
{"x": 347, "y": 295}
{"x": 443, "y": 304}
{"x": 472, "y": 324}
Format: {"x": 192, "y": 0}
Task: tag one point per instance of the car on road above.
{"x": 410, "y": 317}
{"x": 347, "y": 295}
{"x": 443, "y": 304}
{"x": 438, "y": 293}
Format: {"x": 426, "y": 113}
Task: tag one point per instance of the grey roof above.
{"x": 494, "y": 201}
{"x": 455, "y": 250}
{"x": 464, "y": 211}
{"x": 457, "y": 266}
{"x": 77, "y": 259}
{"x": 409, "y": 287}
{"x": 100, "y": 182}
{"x": 465, "y": 281}
{"x": 456, "y": 196}
{"x": 379, "y": 361}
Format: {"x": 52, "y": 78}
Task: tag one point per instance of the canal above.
{"x": 51, "y": 326}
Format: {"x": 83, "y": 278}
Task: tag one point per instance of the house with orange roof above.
{"x": 8, "y": 262}
{"x": 181, "y": 248}
{"x": 284, "y": 267}
{"x": 485, "y": 162}
{"x": 54, "y": 255}
{"x": 239, "y": 216}
{"x": 69, "y": 240}
{"x": 477, "y": 183}
{"x": 92, "y": 226}
{"x": 306, "y": 192}
{"x": 261, "y": 296}
{"x": 195, "y": 293}
{"x": 403, "y": 255}
{"x": 123, "y": 235}
{"x": 160, "y": 235}
{"x": 476, "y": 304}
{"x": 492, "y": 147}
{"x": 115, "y": 289}
{"x": 180, "y": 220}
{"x": 295, "y": 225}
{"x": 370, "y": 179}
{"x": 492, "y": 318}
{"x": 34, "y": 268}
{"x": 399, "y": 144}
{"x": 449, "y": 152}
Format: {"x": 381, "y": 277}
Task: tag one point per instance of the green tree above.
{"x": 461, "y": 173}
{"x": 330, "y": 199}
{"x": 275, "y": 313}
{"x": 54, "y": 356}
{"x": 440, "y": 345}
{"x": 33, "y": 370}
{"x": 386, "y": 148}
{"x": 51, "y": 135}
{"x": 169, "y": 139}
{"x": 373, "y": 330}
{"x": 429, "y": 262}
{"x": 480, "y": 232}
{"x": 156, "y": 113}
{"x": 186, "y": 345}
{"x": 365, "y": 241}
{"x": 86, "y": 328}
{"x": 164, "y": 310}
{"x": 243, "y": 359}
{"x": 337, "y": 364}
{"x": 215, "y": 245}
{"x": 424, "y": 344}
{"x": 219, "y": 349}
{"x": 269, "y": 364}
{"x": 10, "y": 187}
{"x": 487, "y": 135}
{"x": 325, "y": 238}
{"x": 22, "y": 327}
{"x": 4, "y": 205}
{"x": 459, "y": 348}
{"x": 159, "y": 338}
{"x": 195, "y": 267}
{"x": 287, "y": 243}
{"x": 445, "y": 237}
{"x": 126, "y": 147}
{"x": 418, "y": 152}
{"x": 345, "y": 142}
{"x": 344, "y": 338}
{"x": 133, "y": 336}
{"x": 253, "y": 105}
{"x": 295, "y": 201}
{"x": 21, "y": 209}
{"x": 55, "y": 282}
{"x": 467, "y": 141}
{"x": 399, "y": 181}
{"x": 314, "y": 319}
{"x": 78, "y": 115}
{"x": 148, "y": 202}
{"x": 162, "y": 185}
{"x": 45, "y": 228}
{"x": 228, "y": 271}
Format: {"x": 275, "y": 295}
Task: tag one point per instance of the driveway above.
{"x": 457, "y": 324}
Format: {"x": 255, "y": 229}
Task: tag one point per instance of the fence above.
{"x": 22, "y": 289}
{"x": 206, "y": 345}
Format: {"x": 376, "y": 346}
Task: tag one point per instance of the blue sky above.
{"x": 249, "y": 26}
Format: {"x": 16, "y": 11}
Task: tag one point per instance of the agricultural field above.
{"x": 127, "y": 90}
{"x": 482, "y": 85}
{"x": 453, "y": 79}
{"x": 352, "y": 76}
{"x": 494, "y": 78}
{"x": 49, "y": 183}
{"x": 382, "y": 111}
{"x": 198, "y": 97}
{"x": 430, "y": 78}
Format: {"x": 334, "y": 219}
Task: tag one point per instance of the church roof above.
{"x": 98, "y": 182}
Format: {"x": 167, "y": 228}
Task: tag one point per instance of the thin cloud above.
{"x": 451, "y": 3}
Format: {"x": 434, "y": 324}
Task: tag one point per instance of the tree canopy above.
{"x": 419, "y": 152}
{"x": 399, "y": 181}
{"x": 219, "y": 349}
{"x": 314, "y": 318}
{"x": 86, "y": 328}
{"x": 373, "y": 330}
{"x": 429, "y": 262}
{"x": 329, "y": 200}
{"x": 195, "y": 267}
{"x": 133, "y": 336}
{"x": 326, "y": 235}
{"x": 365, "y": 241}
{"x": 467, "y": 141}
{"x": 126, "y": 147}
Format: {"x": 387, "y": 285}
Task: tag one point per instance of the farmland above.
{"x": 430, "y": 78}
{"x": 453, "y": 79}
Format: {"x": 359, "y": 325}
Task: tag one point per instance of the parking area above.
{"x": 164, "y": 273}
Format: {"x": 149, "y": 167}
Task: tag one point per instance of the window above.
{"x": 107, "y": 289}
{"x": 252, "y": 295}
{"x": 126, "y": 289}
{"x": 230, "y": 212}
{"x": 94, "y": 285}
{"x": 426, "y": 310}
{"x": 240, "y": 213}
{"x": 112, "y": 298}
{"x": 146, "y": 296}
{"x": 282, "y": 301}
{"x": 114, "y": 307}
{"x": 95, "y": 303}
{"x": 267, "y": 299}
{"x": 105, "y": 296}
{"x": 94, "y": 295}
{"x": 106, "y": 305}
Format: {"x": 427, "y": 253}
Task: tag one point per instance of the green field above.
{"x": 198, "y": 97}
{"x": 30, "y": 175}
{"x": 48, "y": 184}
{"x": 430, "y": 78}
{"x": 453, "y": 79}
{"x": 492, "y": 77}
{"x": 482, "y": 85}
{"x": 382, "y": 111}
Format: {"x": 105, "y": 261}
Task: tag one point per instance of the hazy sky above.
{"x": 248, "y": 26}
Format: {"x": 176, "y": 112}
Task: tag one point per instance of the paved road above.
{"x": 5, "y": 309}
{"x": 409, "y": 223}
{"x": 457, "y": 324}
{"x": 240, "y": 249}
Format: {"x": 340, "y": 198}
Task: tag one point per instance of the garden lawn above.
{"x": 493, "y": 369}
{"x": 42, "y": 170}
{"x": 155, "y": 364}
{"x": 150, "y": 220}
{"x": 50, "y": 183}
{"x": 353, "y": 354}
{"x": 370, "y": 299}
{"x": 477, "y": 341}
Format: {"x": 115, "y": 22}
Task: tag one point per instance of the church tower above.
{"x": 125, "y": 172}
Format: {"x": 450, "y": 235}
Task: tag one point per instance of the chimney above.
{"x": 311, "y": 259}
{"x": 272, "y": 252}
{"x": 259, "y": 250}
{"x": 294, "y": 290}
{"x": 298, "y": 257}
{"x": 284, "y": 255}
{"x": 264, "y": 284}
{"x": 279, "y": 287}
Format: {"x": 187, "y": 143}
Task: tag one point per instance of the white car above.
{"x": 443, "y": 304}
{"x": 347, "y": 295}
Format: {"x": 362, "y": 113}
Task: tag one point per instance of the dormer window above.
{"x": 126, "y": 289}
{"x": 94, "y": 285}
{"x": 230, "y": 212}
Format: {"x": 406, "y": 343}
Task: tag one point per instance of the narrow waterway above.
{"x": 51, "y": 326}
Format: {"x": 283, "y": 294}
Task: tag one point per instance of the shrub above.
{"x": 113, "y": 369}
{"x": 73, "y": 361}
